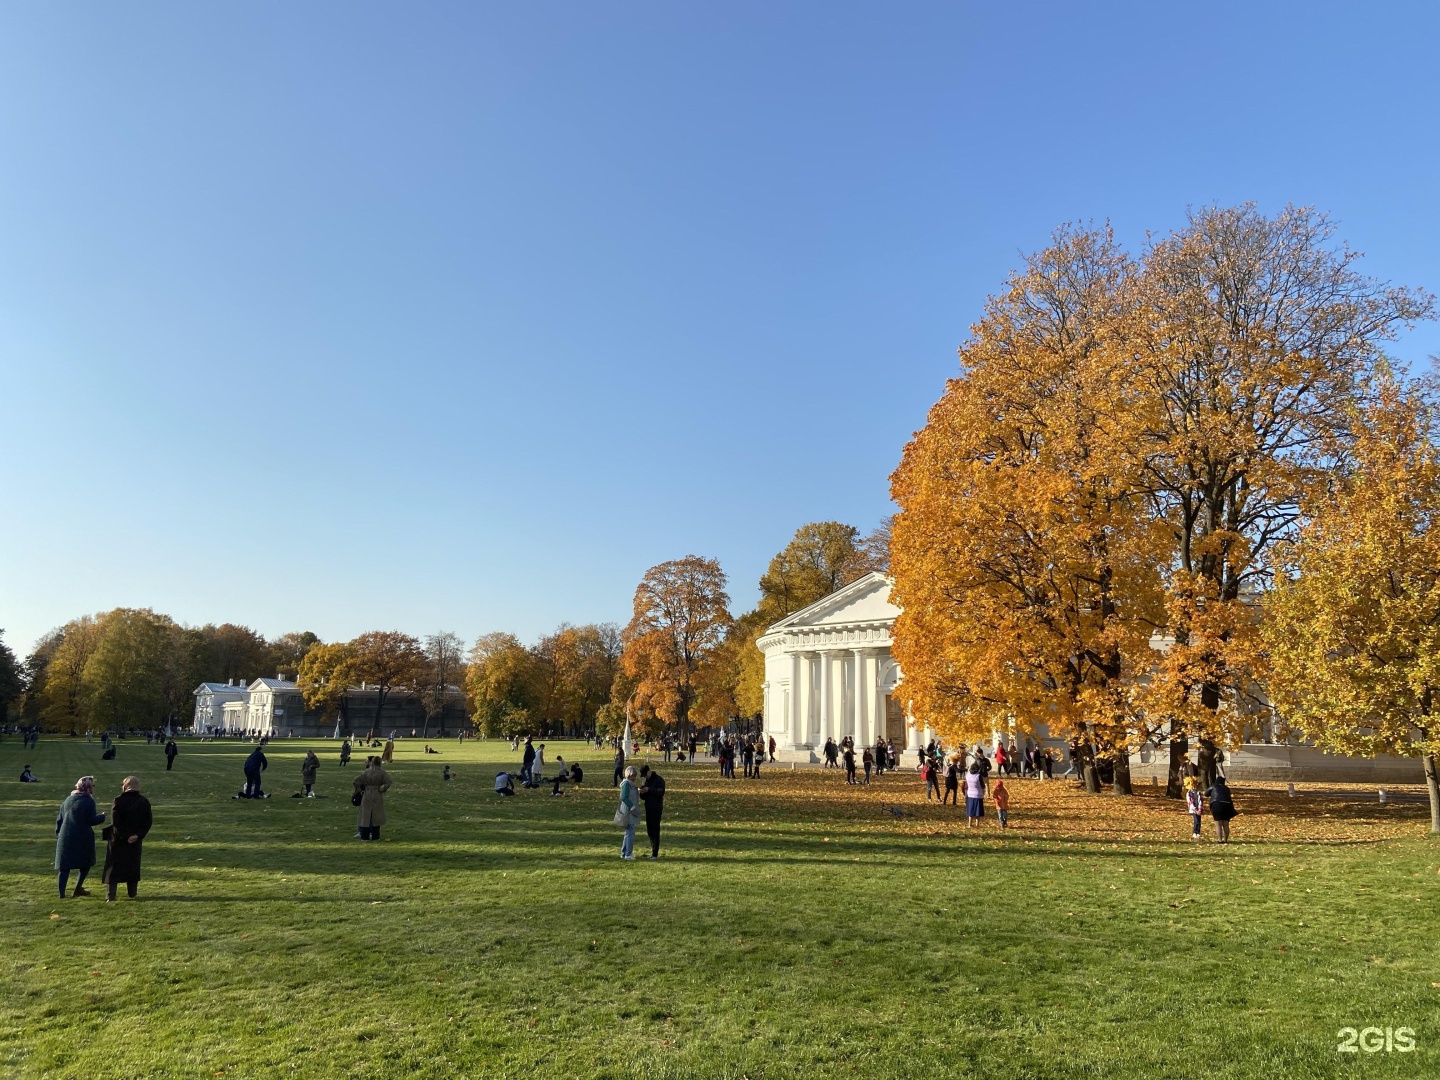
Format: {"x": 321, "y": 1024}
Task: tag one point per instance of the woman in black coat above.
{"x": 1222, "y": 808}
{"x": 130, "y": 820}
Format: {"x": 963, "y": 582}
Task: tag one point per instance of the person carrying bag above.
{"x": 627, "y": 814}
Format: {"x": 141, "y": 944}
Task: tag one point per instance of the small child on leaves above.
{"x": 1001, "y": 794}
{"x": 1194, "y": 804}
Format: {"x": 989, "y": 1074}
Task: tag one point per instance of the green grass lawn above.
{"x": 791, "y": 928}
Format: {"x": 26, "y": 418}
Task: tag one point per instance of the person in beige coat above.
{"x": 371, "y": 786}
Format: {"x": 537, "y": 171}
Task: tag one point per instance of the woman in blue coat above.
{"x": 75, "y": 835}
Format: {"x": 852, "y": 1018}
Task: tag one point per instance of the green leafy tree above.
{"x": 11, "y": 680}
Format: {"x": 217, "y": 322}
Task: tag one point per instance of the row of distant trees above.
{"x": 683, "y": 659}
{"x": 133, "y": 667}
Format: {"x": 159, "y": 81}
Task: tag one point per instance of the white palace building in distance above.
{"x": 829, "y": 673}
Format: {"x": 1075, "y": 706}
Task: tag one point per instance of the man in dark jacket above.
{"x": 255, "y": 764}
{"x": 652, "y": 794}
{"x": 619, "y": 766}
{"x": 170, "y": 751}
{"x": 130, "y": 820}
{"x": 527, "y": 763}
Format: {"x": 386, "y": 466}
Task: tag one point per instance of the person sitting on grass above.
{"x": 568, "y": 774}
{"x": 447, "y": 772}
{"x": 504, "y": 784}
{"x": 28, "y": 777}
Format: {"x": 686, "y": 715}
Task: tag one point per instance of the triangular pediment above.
{"x": 864, "y": 600}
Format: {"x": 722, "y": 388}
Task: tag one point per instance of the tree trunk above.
{"x": 1432, "y": 787}
{"x": 1207, "y": 764}
{"x": 1122, "y": 772}
{"x": 1174, "y": 784}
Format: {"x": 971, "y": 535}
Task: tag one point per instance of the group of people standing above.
{"x": 130, "y": 820}
{"x": 877, "y": 759}
{"x": 750, "y": 750}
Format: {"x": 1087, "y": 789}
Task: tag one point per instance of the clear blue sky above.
{"x": 459, "y": 316}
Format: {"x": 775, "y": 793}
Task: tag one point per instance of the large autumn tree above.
{"x": 387, "y": 660}
{"x": 1200, "y": 391}
{"x": 1023, "y": 558}
{"x": 499, "y": 683}
{"x": 1249, "y": 339}
{"x": 325, "y": 677}
{"x": 681, "y": 615}
{"x": 1353, "y": 625}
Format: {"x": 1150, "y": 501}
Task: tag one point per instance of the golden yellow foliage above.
{"x": 1353, "y": 626}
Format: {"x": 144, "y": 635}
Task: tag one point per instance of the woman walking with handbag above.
{"x": 627, "y": 815}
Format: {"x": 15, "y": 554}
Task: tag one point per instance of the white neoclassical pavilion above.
{"x": 829, "y": 673}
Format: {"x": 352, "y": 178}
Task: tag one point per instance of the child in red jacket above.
{"x": 1001, "y": 795}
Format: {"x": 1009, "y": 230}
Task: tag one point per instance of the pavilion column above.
{"x": 827, "y": 697}
{"x": 807, "y": 698}
{"x": 882, "y": 717}
{"x": 863, "y": 735}
{"x": 797, "y": 674}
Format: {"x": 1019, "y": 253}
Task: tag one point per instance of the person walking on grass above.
{"x": 619, "y": 766}
{"x": 932, "y": 782}
{"x": 170, "y": 751}
{"x": 388, "y": 754}
{"x": 1222, "y": 807}
{"x": 1001, "y": 795}
{"x": 952, "y": 782}
{"x": 308, "y": 768}
{"x": 130, "y": 820}
{"x": 628, "y": 813}
{"x": 848, "y": 757}
{"x": 371, "y": 786}
{"x": 975, "y": 786}
{"x": 75, "y": 835}
{"x": 652, "y": 793}
{"x": 1194, "y": 805}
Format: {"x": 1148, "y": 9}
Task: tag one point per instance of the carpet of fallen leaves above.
{"x": 1056, "y": 810}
